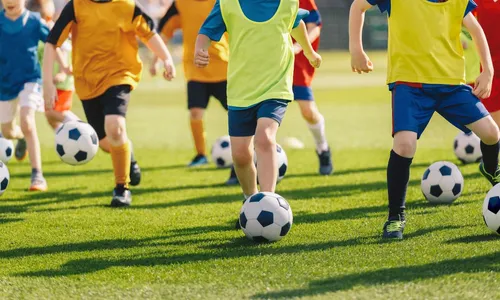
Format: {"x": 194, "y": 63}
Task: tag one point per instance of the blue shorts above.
{"x": 303, "y": 93}
{"x": 243, "y": 122}
{"x": 414, "y": 104}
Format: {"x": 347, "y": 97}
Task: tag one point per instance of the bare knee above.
{"x": 196, "y": 113}
{"x": 405, "y": 143}
{"x": 242, "y": 156}
{"x": 115, "y": 129}
{"x": 487, "y": 130}
{"x": 264, "y": 142}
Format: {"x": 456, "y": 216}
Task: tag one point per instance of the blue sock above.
{"x": 490, "y": 157}
{"x": 398, "y": 176}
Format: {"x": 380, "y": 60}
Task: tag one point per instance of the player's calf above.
{"x": 241, "y": 149}
{"x": 265, "y": 148}
{"x": 487, "y": 130}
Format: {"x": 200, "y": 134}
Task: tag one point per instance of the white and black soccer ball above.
{"x": 6, "y": 149}
{"x": 282, "y": 162}
{"x": 266, "y": 217}
{"x": 221, "y": 152}
{"x": 76, "y": 142}
{"x": 467, "y": 148}
{"x": 4, "y": 178}
{"x": 442, "y": 182}
{"x": 491, "y": 209}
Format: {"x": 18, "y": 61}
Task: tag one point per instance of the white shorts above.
{"x": 30, "y": 96}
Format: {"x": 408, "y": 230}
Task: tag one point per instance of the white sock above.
{"x": 70, "y": 116}
{"x": 318, "y": 132}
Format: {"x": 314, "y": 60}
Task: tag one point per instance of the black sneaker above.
{"x": 492, "y": 178}
{"x": 198, "y": 160}
{"x": 135, "y": 173}
{"x": 393, "y": 229}
{"x": 233, "y": 179}
{"x": 325, "y": 162}
{"x": 21, "y": 150}
{"x": 121, "y": 197}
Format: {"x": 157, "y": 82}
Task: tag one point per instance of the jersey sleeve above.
{"x": 143, "y": 24}
{"x": 383, "y": 5}
{"x": 62, "y": 27}
{"x": 301, "y": 15}
{"x": 470, "y": 7}
{"x": 170, "y": 22}
{"x": 44, "y": 31}
{"x": 214, "y": 26}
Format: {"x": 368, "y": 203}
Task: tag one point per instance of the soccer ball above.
{"x": 266, "y": 217}
{"x": 76, "y": 142}
{"x": 282, "y": 162}
{"x": 442, "y": 182}
{"x": 4, "y": 178}
{"x": 221, "y": 152}
{"x": 467, "y": 148}
{"x": 491, "y": 209}
{"x": 6, "y": 149}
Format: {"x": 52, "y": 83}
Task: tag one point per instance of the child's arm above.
{"x": 482, "y": 88}
{"x": 167, "y": 26}
{"x": 313, "y": 23}
{"x": 360, "y": 62}
{"x": 201, "y": 58}
{"x": 49, "y": 90}
{"x": 212, "y": 30}
{"x": 299, "y": 33}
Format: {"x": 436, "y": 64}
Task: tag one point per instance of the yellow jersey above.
{"x": 189, "y": 15}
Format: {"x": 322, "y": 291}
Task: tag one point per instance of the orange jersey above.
{"x": 189, "y": 15}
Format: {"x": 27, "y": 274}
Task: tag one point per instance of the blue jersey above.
{"x": 18, "y": 52}
{"x": 255, "y": 10}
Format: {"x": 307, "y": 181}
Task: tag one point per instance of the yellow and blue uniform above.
{"x": 425, "y": 79}
{"x": 260, "y": 71}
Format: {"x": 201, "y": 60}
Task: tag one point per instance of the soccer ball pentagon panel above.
{"x": 76, "y": 142}
{"x": 4, "y": 178}
{"x": 6, "y": 149}
{"x": 467, "y": 148}
{"x": 221, "y": 152}
{"x": 491, "y": 209}
{"x": 442, "y": 182}
{"x": 266, "y": 217}
{"x": 282, "y": 162}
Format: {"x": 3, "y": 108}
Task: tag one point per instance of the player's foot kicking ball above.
{"x": 21, "y": 150}
{"x": 393, "y": 229}
{"x": 135, "y": 173}
{"x": 325, "y": 162}
{"x": 233, "y": 179}
{"x": 198, "y": 160}
{"x": 38, "y": 183}
{"x": 492, "y": 178}
{"x": 121, "y": 197}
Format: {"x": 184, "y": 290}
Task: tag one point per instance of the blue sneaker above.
{"x": 325, "y": 162}
{"x": 198, "y": 160}
{"x": 393, "y": 229}
{"x": 492, "y": 178}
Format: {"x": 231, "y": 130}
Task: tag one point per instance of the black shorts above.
{"x": 114, "y": 101}
{"x": 199, "y": 93}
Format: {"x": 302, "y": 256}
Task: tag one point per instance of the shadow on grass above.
{"x": 475, "y": 239}
{"x": 486, "y": 263}
{"x": 9, "y": 220}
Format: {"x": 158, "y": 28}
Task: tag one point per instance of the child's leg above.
{"x": 119, "y": 148}
{"x": 242, "y": 152}
{"x": 28, "y": 127}
{"x": 198, "y": 129}
{"x": 10, "y": 130}
{"x": 487, "y": 130}
{"x": 267, "y": 157}
{"x": 315, "y": 122}
{"x": 198, "y": 97}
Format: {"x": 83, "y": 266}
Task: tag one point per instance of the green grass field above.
{"x": 176, "y": 240}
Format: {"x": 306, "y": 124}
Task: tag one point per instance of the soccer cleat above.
{"x": 21, "y": 150}
{"x": 121, "y": 197}
{"x": 325, "y": 162}
{"x": 198, "y": 160}
{"x": 492, "y": 178}
{"x": 38, "y": 184}
{"x": 233, "y": 179}
{"x": 135, "y": 173}
{"x": 393, "y": 229}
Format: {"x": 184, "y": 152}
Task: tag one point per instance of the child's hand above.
{"x": 49, "y": 96}
{"x": 314, "y": 59}
{"x": 360, "y": 62}
{"x": 68, "y": 70}
{"x": 169, "y": 72}
{"x": 201, "y": 58}
{"x": 60, "y": 77}
{"x": 482, "y": 86}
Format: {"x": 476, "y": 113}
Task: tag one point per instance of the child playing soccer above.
{"x": 488, "y": 15}
{"x": 260, "y": 78}
{"x": 202, "y": 84}
{"x": 107, "y": 68}
{"x": 424, "y": 80}
{"x": 303, "y": 94}
{"x": 20, "y": 91}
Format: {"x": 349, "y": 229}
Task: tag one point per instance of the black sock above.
{"x": 398, "y": 176}
{"x": 120, "y": 188}
{"x": 490, "y": 157}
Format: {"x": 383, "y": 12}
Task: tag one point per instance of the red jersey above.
{"x": 488, "y": 15}
{"x": 304, "y": 72}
